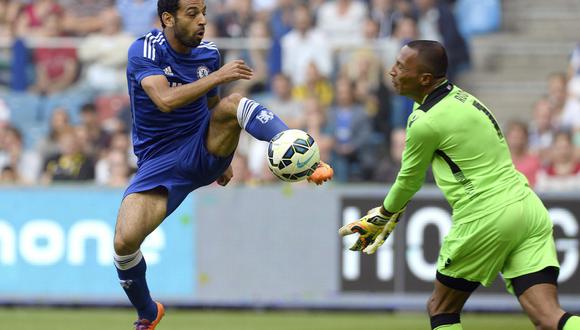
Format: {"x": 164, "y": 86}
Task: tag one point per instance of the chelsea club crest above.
{"x": 202, "y": 71}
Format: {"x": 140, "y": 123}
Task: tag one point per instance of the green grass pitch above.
{"x": 180, "y": 319}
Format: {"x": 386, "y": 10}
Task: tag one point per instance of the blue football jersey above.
{"x": 156, "y": 132}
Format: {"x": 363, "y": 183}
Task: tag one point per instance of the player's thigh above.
{"x": 476, "y": 250}
{"x": 224, "y": 130}
{"x": 536, "y": 251}
{"x": 445, "y": 299}
{"x": 541, "y": 304}
{"x": 139, "y": 215}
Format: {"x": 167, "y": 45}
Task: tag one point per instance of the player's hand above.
{"x": 225, "y": 178}
{"x": 234, "y": 70}
{"x": 374, "y": 228}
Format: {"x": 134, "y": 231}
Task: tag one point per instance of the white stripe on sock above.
{"x": 246, "y": 108}
{"x": 128, "y": 262}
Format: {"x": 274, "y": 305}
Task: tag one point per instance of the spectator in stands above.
{"x": 557, "y": 94}
{"x": 382, "y": 12}
{"x": 8, "y": 12}
{"x": 352, "y": 160}
{"x": 55, "y": 68}
{"x": 263, "y": 7}
{"x": 316, "y": 85}
{"x": 138, "y": 16}
{"x": 120, "y": 141}
{"x": 287, "y": 108}
{"x": 103, "y": 55}
{"x": 40, "y": 18}
{"x": 113, "y": 169}
{"x": 388, "y": 167}
{"x": 83, "y": 17}
{"x": 256, "y": 56}
{"x": 97, "y": 137}
{"x": 303, "y": 46}
{"x": 541, "y": 129}
{"x": 436, "y": 21}
{"x": 4, "y": 114}
{"x": 570, "y": 118}
{"x": 563, "y": 171}
{"x": 24, "y": 165}
{"x": 8, "y": 176}
{"x": 574, "y": 66}
{"x": 527, "y": 163}
{"x": 59, "y": 122}
{"x": 363, "y": 66}
{"x": 315, "y": 124}
{"x": 342, "y": 21}
{"x": 70, "y": 164}
{"x": 236, "y": 20}
{"x": 280, "y": 24}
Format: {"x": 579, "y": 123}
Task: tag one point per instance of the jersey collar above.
{"x": 436, "y": 95}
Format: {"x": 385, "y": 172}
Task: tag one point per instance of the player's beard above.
{"x": 185, "y": 38}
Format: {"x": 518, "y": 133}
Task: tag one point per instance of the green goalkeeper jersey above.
{"x": 472, "y": 165}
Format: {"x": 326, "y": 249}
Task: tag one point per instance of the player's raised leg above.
{"x": 445, "y": 304}
{"x": 234, "y": 113}
{"x": 139, "y": 215}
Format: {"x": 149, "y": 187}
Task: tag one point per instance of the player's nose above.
{"x": 203, "y": 20}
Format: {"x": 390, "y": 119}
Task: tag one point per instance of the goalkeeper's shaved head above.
{"x": 420, "y": 66}
{"x": 432, "y": 57}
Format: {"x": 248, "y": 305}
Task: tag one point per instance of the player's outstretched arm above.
{"x": 421, "y": 143}
{"x": 168, "y": 98}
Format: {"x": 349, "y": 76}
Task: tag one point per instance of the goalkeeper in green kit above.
{"x": 499, "y": 224}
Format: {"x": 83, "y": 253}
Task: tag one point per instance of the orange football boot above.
{"x": 144, "y": 324}
{"x": 322, "y": 174}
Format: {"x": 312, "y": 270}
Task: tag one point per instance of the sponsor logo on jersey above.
{"x": 202, "y": 71}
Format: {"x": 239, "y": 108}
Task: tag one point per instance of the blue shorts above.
{"x": 181, "y": 171}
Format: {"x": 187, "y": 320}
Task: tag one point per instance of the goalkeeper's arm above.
{"x": 379, "y": 223}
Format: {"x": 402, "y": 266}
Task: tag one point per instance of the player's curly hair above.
{"x": 169, "y": 6}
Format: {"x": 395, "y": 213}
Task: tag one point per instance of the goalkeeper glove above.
{"x": 374, "y": 228}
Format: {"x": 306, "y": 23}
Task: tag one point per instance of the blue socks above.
{"x": 131, "y": 270}
{"x": 258, "y": 121}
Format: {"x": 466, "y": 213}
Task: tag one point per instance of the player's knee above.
{"x": 123, "y": 245}
{"x": 432, "y": 306}
{"x": 436, "y": 306}
{"x": 235, "y": 99}
{"x": 227, "y": 109}
{"x": 545, "y": 321}
{"x": 231, "y": 102}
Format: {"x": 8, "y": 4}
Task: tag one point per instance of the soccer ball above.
{"x": 293, "y": 155}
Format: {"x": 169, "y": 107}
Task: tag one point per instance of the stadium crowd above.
{"x": 320, "y": 65}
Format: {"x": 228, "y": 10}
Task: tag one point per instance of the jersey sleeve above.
{"x": 421, "y": 143}
{"x": 141, "y": 63}
{"x": 215, "y": 67}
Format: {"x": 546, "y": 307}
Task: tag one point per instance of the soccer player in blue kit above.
{"x": 184, "y": 135}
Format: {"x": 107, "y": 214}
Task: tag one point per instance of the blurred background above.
{"x": 321, "y": 65}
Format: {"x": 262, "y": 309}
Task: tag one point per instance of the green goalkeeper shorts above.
{"x": 513, "y": 241}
